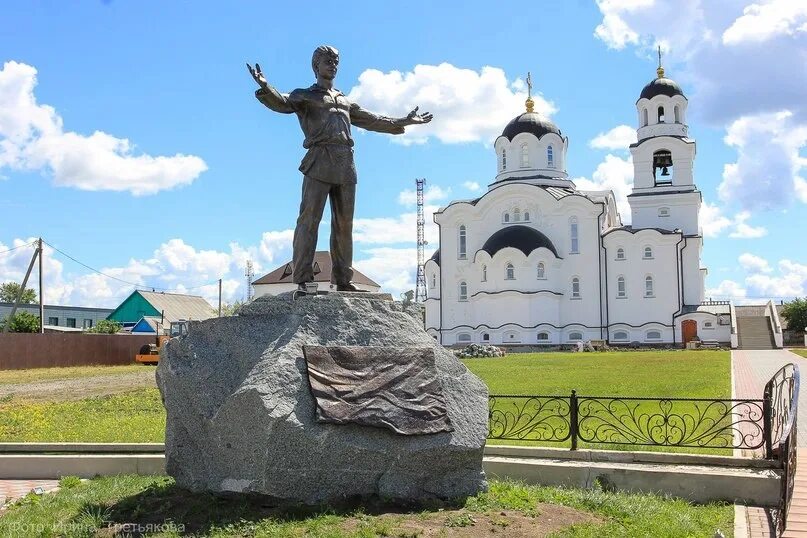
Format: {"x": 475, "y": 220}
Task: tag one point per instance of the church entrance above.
{"x": 689, "y": 330}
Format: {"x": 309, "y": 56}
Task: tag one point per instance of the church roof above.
{"x": 530, "y": 122}
{"x": 661, "y": 86}
{"x": 523, "y": 238}
{"x": 436, "y": 257}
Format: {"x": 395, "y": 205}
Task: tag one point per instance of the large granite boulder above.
{"x": 241, "y": 416}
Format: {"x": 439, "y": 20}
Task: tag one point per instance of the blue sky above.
{"x": 208, "y": 177}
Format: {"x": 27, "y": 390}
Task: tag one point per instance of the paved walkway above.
{"x": 751, "y": 370}
{"x": 14, "y": 489}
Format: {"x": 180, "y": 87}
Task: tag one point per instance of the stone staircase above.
{"x": 755, "y": 333}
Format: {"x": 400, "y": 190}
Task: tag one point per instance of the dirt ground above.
{"x": 79, "y": 388}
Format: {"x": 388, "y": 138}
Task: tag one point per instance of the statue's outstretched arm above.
{"x": 382, "y": 124}
{"x": 269, "y": 96}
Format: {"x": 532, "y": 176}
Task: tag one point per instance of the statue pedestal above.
{"x": 241, "y": 416}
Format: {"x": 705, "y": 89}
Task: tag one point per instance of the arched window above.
{"x": 525, "y": 155}
{"x": 662, "y": 166}
{"x": 575, "y": 288}
{"x": 543, "y": 337}
{"x": 644, "y": 117}
{"x": 550, "y": 157}
{"x": 485, "y": 337}
{"x": 676, "y": 113}
{"x": 653, "y": 335}
{"x": 510, "y": 272}
{"x": 575, "y": 244}
{"x": 504, "y": 159}
{"x": 484, "y": 273}
{"x": 648, "y": 286}
{"x": 541, "y": 271}
{"x": 462, "y": 242}
{"x": 620, "y": 253}
{"x": 463, "y": 291}
{"x": 648, "y": 253}
{"x": 434, "y": 280}
{"x": 516, "y": 215}
{"x": 526, "y": 216}
{"x": 575, "y": 336}
{"x": 620, "y": 287}
{"x": 661, "y": 114}
{"x": 507, "y": 217}
{"x": 463, "y": 337}
{"x": 620, "y": 336}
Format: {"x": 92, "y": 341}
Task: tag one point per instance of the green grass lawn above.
{"x": 801, "y": 352}
{"x": 34, "y": 375}
{"x": 84, "y": 508}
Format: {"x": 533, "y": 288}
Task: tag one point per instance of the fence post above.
{"x": 573, "y": 427}
{"x": 767, "y": 420}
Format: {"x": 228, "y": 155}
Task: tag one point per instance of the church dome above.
{"x": 530, "y": 122}
{"x": 523, "y": 238}
{"x": 661, "y": 86}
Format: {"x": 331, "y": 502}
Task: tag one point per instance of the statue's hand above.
{"x": 413, "y": 118}
{"x": 258, "y": 75}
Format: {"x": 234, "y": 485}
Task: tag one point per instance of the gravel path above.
{"x": 79, "y": 388}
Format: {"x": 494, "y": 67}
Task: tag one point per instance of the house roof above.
{"x": 175, "y": 306}
{"x": 322, "y": 272}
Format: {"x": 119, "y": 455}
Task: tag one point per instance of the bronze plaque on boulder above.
{"x": 395, "y": 388}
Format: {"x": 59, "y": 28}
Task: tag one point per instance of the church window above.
{"x": 525, "y": 156}
{"x": 648, "y": 253}
{"x": 644, "y": 117}
{"x": 620, "y": 336}
{"x": 661, "y": 114}
{"x": 574, "y": 238}
{"x": 541, "y": 271}
{"x": 676, "y": 113}
{"x": 485, "y": 337}
{"x": 504, "y": 159}
{"x": 463, "y": 291}
{"x": 434, "y": 280}
{"x": 620, "y": 253}
{"x": 543, "y": 337}
{"x": 648, "y": 286}
{"x": 575, "y": 288}
{"x": 663, "y": 167}
{"x": 708, "y": 325}
{"x": 462, "y": 243}
{"x": 526, "y": 216}
{"x": 653, "y": 335}
{"x": 510, "y": 272}
{"x": 550, "y": 157}
{"x": 575, "y": 336}
{"x": 507, "y": 217}
{"x": 484, "y": 273}
{"x": 512, "y": 337}
{"x": 516, "y": 215}
{"x": 620, "y": 287}
{"x": 664, "y": 212}
{"x": 463, "y": 337}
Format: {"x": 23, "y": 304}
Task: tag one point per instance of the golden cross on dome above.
{"x": 530, "y": 103}
{"x": 659, "y": 70}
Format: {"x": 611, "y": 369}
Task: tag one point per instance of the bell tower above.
{"x": 664, "y": 193}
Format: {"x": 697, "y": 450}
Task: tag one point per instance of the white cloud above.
{"x": 616, "y": 174}
{"x": 762, "y": 282}
{"x": 712, "y": 220}
{"x": 727, "y": 290}
{"x": 754, "y": 264}
{"x": 620, "y": 137}
{"x": 472, "y": 186}
{"x": 761, "y": 22}
{"x": 432, "y": 193}
{"x": 468, "y": 105}
{"x": 395, "y": 230}
{"x": 394, "y": 268}
{"x": 32, "y": 137}
{"x": 746, "y": 231}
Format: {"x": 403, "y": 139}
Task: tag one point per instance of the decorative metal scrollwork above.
{"x": 529, "y": 418}
{"x": 695, "y": 423}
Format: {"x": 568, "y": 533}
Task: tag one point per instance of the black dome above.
{"x": 523, "y": 238}
{"x": 436, "y": 257}
{"x": 530, "y": 122}
{"x": 661, "y": 86}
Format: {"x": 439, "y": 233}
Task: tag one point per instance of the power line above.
{"x": 20, "y": 246}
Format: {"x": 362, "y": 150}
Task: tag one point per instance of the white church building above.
{"x": 535, "y": 261}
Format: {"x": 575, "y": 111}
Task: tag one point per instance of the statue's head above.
{"x": 325, "y": 61}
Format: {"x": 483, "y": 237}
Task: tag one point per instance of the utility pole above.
{"x": 41, "y": 292}
{"x": 420, "y": 289}
{"x": 219, "y": 297}
{"x": 22, "y": 290}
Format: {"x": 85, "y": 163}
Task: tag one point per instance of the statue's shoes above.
{"x": 347, "y": 287}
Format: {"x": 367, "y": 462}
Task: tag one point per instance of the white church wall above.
{"x": 692, "y": 277}
{"x": 669, "y": 127}
{"x": 683, "y": 154}
{"x": 668, "y": 211}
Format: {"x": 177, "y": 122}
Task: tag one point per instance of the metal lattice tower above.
{"x": 249, "y": 274}
{"x": 420, "y": 291}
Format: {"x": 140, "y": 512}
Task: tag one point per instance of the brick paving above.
{"x": 751, "y": 370}
{"x": 14, "y": 489}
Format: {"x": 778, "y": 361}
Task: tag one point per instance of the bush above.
{"x": 105, "y": 326}
{"x": 22, "y": 322}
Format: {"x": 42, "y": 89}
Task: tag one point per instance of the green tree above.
{"x": 105, "y": 326}
{"x": 229, "y": 309}
{"x": 10, "y": 290}
{"x": 795, "y": 312}
{"x": 22, "y": 322}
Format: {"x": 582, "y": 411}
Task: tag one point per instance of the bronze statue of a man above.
{"x": 325, "y": 116}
